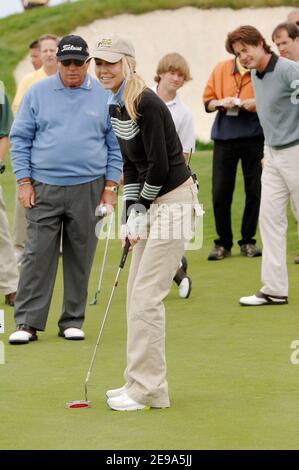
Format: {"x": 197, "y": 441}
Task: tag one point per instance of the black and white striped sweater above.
{"x": 153, "y": 161}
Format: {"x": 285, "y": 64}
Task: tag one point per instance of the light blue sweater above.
{"x": 63, "y": 136}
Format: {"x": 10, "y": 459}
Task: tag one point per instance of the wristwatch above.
{"x": 113, "y": 189}
{"x": 2, "y": 168}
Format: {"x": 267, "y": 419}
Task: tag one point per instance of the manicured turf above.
{"x": 231, "y": 381}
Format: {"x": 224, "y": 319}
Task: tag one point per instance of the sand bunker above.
{"x": 199, "y": 35}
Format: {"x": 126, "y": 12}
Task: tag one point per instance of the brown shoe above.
{"x": 296, "y": 259}
{"x": 219, "y": 252}
{"x": 10, "y": 299}
{"x": 250, "y": 250}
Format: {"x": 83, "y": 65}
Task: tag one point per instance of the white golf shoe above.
{"x": 115, "y": 392}
{"x": 185, "y": 287}
{"x": 75, "y": 334}
{"x": 23, "y": 335}
{"x": 260, "y": 299}
{"x": 125, "y": 403}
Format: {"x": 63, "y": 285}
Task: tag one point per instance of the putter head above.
{"x": 78, "y": 404}
{"x": 93, "y": 302}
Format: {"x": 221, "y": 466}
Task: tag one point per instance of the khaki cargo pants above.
{"x": 153, "y": 266}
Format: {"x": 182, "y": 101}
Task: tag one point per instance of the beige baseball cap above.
{"x": 112, "y": 48}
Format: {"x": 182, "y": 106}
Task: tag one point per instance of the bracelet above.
{"x": 113, "y": 189}
{"x": 24, "y": 182}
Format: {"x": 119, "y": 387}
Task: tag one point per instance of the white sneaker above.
{"x": 185, "y": 288}
{"x": 73, "y": 334}
{"x": 125, "y": 403}
{"x": 22, "y": 337}
{"x": 260, "y": 298}
{"x": 115, "y": 392}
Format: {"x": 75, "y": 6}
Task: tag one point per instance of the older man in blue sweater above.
{"x": 66, "y": 161}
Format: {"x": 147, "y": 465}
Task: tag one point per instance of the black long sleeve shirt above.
{"x": 153, "y": 161}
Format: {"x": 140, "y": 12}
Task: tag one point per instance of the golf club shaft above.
{"x": 189, "y": 157}
{"x": 120, "y": 267}
{"x": 104, "y": 256}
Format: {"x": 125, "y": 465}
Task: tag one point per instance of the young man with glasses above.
{"x": 66, "y": 160}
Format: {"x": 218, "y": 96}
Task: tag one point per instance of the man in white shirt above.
{"x": 172, "y": 72}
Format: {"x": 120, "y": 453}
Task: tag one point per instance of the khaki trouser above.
{"x": 154, "y": 263}
{"x": 280, "y": 182}
{"x": 9, "y": 275}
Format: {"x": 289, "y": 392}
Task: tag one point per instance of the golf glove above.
{"x": 136, "y": 224}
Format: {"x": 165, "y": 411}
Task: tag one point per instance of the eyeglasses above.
{"x": 76, "y": 62}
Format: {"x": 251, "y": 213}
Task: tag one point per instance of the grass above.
{"x": 17, "y": 31}
{"x": 231, "y": 382}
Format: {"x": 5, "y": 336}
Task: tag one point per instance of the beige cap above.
{"x": 112, "y": 49}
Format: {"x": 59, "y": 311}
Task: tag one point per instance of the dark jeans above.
{"x": 225, "y": 162}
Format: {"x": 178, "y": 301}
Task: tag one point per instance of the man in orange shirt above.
{"x": 237, "y": 135}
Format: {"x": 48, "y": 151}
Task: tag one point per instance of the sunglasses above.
{"x": 76, "y": 62}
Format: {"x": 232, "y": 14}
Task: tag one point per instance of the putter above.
{"x": 86, "y": 403}
{"x": 94, "y": 300}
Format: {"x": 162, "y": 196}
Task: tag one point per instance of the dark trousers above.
{"x": 225, "y": 162}
{"x": 70, "y": 209}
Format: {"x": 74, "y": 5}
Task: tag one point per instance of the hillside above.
{"x": 198, "y": 34}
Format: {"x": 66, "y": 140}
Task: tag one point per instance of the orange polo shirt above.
{"x": 226, "y": 80}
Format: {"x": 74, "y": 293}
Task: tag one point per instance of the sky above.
{"x": 9, "y": 7}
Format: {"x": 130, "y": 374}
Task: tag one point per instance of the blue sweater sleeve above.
{"x": 114, "y": 159}
{"x": 21, "y": 137}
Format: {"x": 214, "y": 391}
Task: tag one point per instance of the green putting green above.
{"x": 231, "y": 382}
